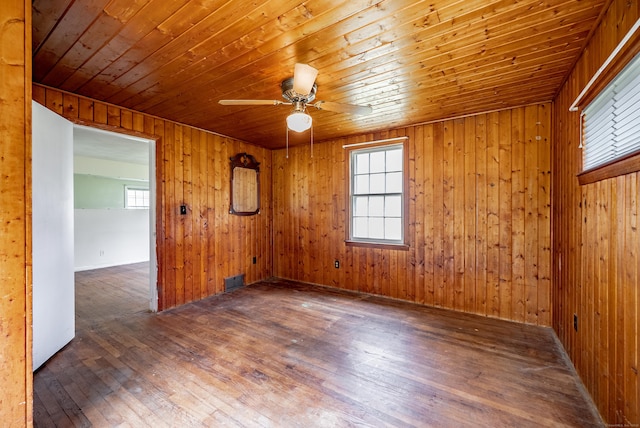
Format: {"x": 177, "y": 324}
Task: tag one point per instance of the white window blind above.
{"x": 612, "y": 120}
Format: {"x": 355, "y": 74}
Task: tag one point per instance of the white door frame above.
{"x": 153, "y": 243}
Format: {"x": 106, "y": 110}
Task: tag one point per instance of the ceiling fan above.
{"x": 299, "y": 91}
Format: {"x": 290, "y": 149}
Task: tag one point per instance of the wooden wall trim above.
{"x": 626, "y": 165}
{"x": 596, "y": 246}
{"x": 16, "y": 376}
{"x": 479, "y": 217}
{"x": 195, "y": 251}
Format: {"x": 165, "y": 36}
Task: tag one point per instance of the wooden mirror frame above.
{"x": 245, "y": 195}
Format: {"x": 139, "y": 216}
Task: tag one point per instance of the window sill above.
{"x": 383, "y": 246}
{"x": 627, "y": 165}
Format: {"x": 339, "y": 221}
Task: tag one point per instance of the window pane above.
{"x": 377, "y": 183}
{"x": 377, "y": 161}
{"x": 362, "y": 163}
{"x": 361, "y": 207}
{"x": 393, "y": 206}
{"x": 377, "y": 179}
{"x": 376, "y": 206}
{"x": 362, "y": 185}
{"x": 376, "y": 228}
{"x": 392, "y": 228}
{"x": 394, "y": 160}
{"x": 394, "y": 182}
{"x": 137, "y": 198}
{"x": 360, "y": 227}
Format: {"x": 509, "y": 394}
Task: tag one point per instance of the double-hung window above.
{"x": 377, "y": 195}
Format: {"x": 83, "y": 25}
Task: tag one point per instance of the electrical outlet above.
{"x": 183, "y": 209}
{"x": 575, "y": 322}
{"x": 337, "y": 264}
{"x": 254, "y": 260}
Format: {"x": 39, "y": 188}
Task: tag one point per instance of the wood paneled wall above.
{"x": 479, "y": 218}
{"x": 16, "y": 380}
{"x": 597, "y": 248}
{"x": 198, "y": 250}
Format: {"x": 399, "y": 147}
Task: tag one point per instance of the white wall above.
{"x": 110, "y": 237}
{"x": 53, "y": 279}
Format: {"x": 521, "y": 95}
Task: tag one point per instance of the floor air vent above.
{"x": 233, "y": 282}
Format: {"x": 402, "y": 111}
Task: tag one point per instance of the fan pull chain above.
{"x": 287, "y": 142}
{"x": 312, "y": 141}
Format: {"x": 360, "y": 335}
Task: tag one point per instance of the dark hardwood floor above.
{"x": 284, "y": 354}
{"x": 111, "y": 293}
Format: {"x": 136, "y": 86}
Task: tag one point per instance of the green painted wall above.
{"x": 91, "y": 191}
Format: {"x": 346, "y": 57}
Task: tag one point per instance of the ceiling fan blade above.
{"x": 251, "y": 102}
{"x": 303, "y": 78}
{"x": 343, "y": 108}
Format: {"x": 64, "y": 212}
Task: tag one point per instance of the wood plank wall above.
{"x": 16, "y": 379}
{"x": 198, "y": 250}
{"x": 480, "y": 219}
{"x": 597, "y": 248}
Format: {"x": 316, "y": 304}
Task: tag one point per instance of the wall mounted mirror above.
{"x": 245, "y": 185}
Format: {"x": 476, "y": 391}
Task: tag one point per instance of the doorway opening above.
{"x": 114, "y": 205}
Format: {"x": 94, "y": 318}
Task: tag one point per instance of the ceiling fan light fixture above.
{"x": 303, "y": 78}
{"x": 299, "y": 121}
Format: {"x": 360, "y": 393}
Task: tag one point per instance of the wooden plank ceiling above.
{"x": 412, "y": 61}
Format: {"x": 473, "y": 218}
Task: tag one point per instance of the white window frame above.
{"x": 127, "y": 189}
{"x": 372, "y": 147}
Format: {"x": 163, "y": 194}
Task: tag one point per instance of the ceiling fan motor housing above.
{"x": 289, "y": 94}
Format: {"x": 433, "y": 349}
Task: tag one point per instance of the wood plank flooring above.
{"x": 285, "y": 354}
